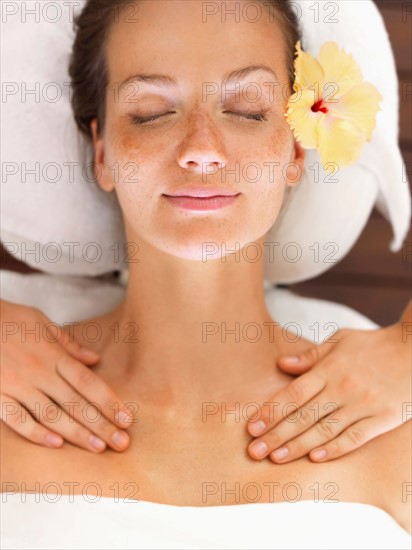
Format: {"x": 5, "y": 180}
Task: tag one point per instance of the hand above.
{"x": 354, "y": 390}
{"x": 43, "y": 372}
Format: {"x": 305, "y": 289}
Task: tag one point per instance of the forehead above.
{"x": 194, "y": 40}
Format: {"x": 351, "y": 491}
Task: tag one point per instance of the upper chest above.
{"x": 181, "y": 468}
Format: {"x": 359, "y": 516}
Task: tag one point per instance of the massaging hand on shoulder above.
{"x": 354, "y": 388}
{"x": 366, "y": 374}
{"x": 43, "y": 369}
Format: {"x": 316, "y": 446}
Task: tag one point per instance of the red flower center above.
{"x": 319, "y": 107}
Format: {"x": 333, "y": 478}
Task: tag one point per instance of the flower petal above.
{"x": 340, "y": 69}
{"x": 302, "y": 119}
{"x": 308, "y": 72}
{"x": 359, "y": 106}
{"x": 339, "y": 142}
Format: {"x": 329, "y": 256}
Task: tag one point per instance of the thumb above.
{"x": 298, "y": 364}
{"x": 77, "y": 351}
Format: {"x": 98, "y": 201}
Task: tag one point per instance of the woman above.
{"x": 360, "y": 356}
{"x": 182, "y": 371}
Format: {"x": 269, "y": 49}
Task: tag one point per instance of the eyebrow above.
{"x": 163, "y": 80}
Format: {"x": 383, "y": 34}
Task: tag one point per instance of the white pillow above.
{"x": 59, "y": 203}
{"x": 36, "y": 214}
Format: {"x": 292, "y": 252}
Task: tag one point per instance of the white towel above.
{"x": 52, "y": 216}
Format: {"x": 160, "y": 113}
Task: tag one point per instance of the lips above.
{"x": 197, "y": 203}
{"x": 202, "y": 192}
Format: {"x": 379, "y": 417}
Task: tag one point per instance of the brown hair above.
{"x": 88, "y": 71}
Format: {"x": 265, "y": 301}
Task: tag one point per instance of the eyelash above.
{"x": 258, "y": 117}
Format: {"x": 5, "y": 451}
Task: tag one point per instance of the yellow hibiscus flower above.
{"x": 332, "y": 110}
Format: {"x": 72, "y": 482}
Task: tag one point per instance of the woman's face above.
{"x": 202, "y": 141}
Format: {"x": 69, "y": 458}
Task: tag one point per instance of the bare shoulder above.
{"x": 389, "y": 457}
{"x": 19, "y": 457}
{"x": 9, "y": 447}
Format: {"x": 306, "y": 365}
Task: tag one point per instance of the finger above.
{"x": 89, "y": 415}
{"x": 298, "y": 364}
{"x": 292, "y": 365}
{"x": 352, "y": 438}
{"x": 294, "y": 424}
{"x": 52, "y": 416}
{"x": 322, "y": 432}
{"x": 289, "y": 398}
{"x": 85, "y": 355}
{"x": 93, "y": 388}
{"x": 73, "y": 347}
{"x": 21, "y": 422}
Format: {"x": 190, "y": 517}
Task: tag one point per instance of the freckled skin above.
{"x": 200, "y": 131}
{"x": 170, "y": 154}
{"x": 171, "y": 372}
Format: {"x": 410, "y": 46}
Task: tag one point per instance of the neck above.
{"x": 203, "y": 329}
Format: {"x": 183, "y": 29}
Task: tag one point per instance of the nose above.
{"x": 202, "y": 150}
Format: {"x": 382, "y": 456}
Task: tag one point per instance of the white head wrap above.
{"x": 51, "y": 206}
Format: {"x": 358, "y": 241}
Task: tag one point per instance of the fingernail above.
{"x": 318, "y": 455}
{"x": 280, "y": 453}
{"x": 291, "y": 359}
{"x": 257, "y": 428}
{"x": 54, "y": 440}
{"x": 97, "y": 443}
{"x": 125, "y": 417}
{"x": 120, "y": 439}
{"x": 89, "y": 353}
{"x": 259, "y": 448}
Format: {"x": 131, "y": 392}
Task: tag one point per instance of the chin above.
{"x": 204, "y": 240}
{"x": 206, "y": 250}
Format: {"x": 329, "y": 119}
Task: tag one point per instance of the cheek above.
{"x": 266, "y": 194}
{"x": 281, "y": 142}
{"x": 139, "y": 169}
{"x": 265, "y": 161}
{"x": 265, "y": 203}
{"x": 134, "y": 167}
{"x": 271, "y": 149}
{"x": 126, "y": 167}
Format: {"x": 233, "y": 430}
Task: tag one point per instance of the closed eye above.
{"x": 146, "y": 119}
{"x": 260, "y": 117}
